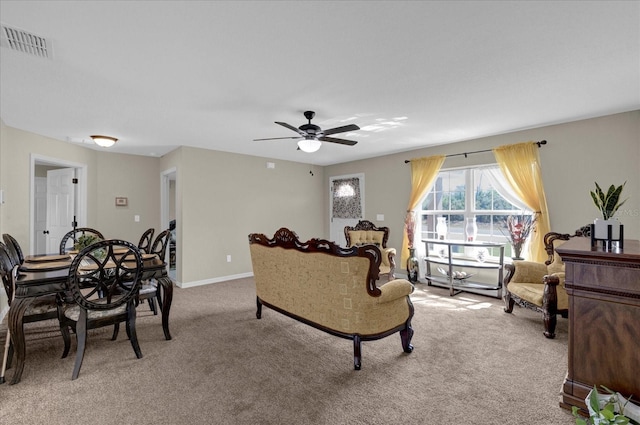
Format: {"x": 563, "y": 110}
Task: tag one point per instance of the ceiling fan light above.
{"x": 104, "y": 141}
{"x": 309, "y": 145}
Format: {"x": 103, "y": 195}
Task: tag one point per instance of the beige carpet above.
{"x": 472, "y": 364}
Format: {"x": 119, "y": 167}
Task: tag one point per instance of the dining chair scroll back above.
{"x": 150, "y": 290}
{"x": 146, "y": 240}
{"x": 160, "y": 244}
{"x": 104, "y": 280}
{"x": 14, "y": 248}
{"x": 73, "y": 236}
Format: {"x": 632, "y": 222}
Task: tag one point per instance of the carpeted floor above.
{"x": 472, "y": 364}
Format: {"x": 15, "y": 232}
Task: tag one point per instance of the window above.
{"x": 459, "y": 194}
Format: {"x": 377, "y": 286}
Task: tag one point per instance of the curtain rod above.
{"x": 540, "y": 143}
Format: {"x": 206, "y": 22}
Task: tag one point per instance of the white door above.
{"x": 40, "y": 213}
{"x": 346, "y": 204}
{"x": 60, "y": 206}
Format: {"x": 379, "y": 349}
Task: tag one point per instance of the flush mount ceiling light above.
{"x": 309, "y": 145}
{"x": 104, "y": 141}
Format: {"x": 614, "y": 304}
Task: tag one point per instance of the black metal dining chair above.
{"x": 104, "y": 281}
{"x": 73, "y": 236}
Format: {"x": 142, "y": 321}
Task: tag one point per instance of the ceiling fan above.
{"x": 313, "y": 136}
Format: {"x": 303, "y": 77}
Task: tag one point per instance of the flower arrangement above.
{"x": 410, "y": 227}
{"x": 519, "y": 228}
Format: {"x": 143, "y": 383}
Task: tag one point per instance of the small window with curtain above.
{"x": 346, "y": 198}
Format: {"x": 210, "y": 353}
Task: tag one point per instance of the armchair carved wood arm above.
{"x": 367, "y": 233}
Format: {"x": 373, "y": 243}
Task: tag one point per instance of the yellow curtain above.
{"x": 520, "y": 164}
{"x": 423, "y": 173}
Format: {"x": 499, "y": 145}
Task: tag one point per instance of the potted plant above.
{"x": 604, "y": 408}
{"x": 608, "y": 203}
{"x": 87, "y": 240}
{"x": 84, "y": 241}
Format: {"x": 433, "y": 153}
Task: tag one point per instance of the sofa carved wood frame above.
{"x": 369, "y": 226}
{"x": 549, "y": 307}
{"x": 288, "y": 239}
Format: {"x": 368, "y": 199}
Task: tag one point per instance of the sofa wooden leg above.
{"x": 406, "y": 335}
{"x": 259, "y": 308}
{"x": 508, "y": 302}
{"x": 550, "y": 321}
{"x": 357, "y": 352}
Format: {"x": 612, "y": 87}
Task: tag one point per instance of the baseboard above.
{"x": 185, "y": 285}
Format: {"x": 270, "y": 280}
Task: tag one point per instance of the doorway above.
{"x": 40, "y": 208}
{"x": 168, "y": 217}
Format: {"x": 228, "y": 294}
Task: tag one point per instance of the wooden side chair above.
{"x": 367, "y": 233}
{"x": 104, "y": 280}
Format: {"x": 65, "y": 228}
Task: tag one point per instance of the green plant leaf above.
{"x": 607, "y": 412}
{"x": 593, "y": 400}
{"x": 611, "y": 200}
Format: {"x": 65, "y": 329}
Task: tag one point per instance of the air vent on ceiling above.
{"x": 25, "y": 42}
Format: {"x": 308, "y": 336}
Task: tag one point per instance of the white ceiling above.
{"x": 216, "y": 75}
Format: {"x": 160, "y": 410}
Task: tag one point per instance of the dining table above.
{"x": 41, "y": 275}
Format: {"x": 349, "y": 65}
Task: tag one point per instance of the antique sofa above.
{"x": 330, "y": 288}
{"x": 540, "y": 286}
{"x": 364, "y": 233}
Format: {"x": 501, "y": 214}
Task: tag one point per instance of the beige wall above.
{"x": 138, "y": 179}
{"x": 605, "y": 149}
{"x": 223, "y": 197}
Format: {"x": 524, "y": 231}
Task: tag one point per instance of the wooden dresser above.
{"x": 604, "y": 320}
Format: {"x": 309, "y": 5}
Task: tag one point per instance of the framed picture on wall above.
{"x": 122, "y": 202}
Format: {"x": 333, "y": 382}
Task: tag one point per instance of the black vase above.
{"x": 412, "y": 266}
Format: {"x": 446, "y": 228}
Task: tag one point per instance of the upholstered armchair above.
{"x": 540, "y": 286}
{"x": 366, "y": 233}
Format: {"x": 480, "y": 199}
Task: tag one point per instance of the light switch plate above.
{"x": 380, "y": 217}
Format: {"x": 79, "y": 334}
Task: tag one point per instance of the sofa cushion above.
{"x": 533, "y": 293}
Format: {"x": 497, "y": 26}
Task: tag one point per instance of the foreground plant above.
{"x": 607, "y": 414}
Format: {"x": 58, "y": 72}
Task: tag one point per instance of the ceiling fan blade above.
{"x": 290, "y": 127}
{"x": 276, "y": 138}
{"x": 335, "y": 140}
{"x": 344, "y": 128}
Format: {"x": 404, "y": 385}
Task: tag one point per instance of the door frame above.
{"x": 165, "y": 178}
{"x": 81, "y": 193}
